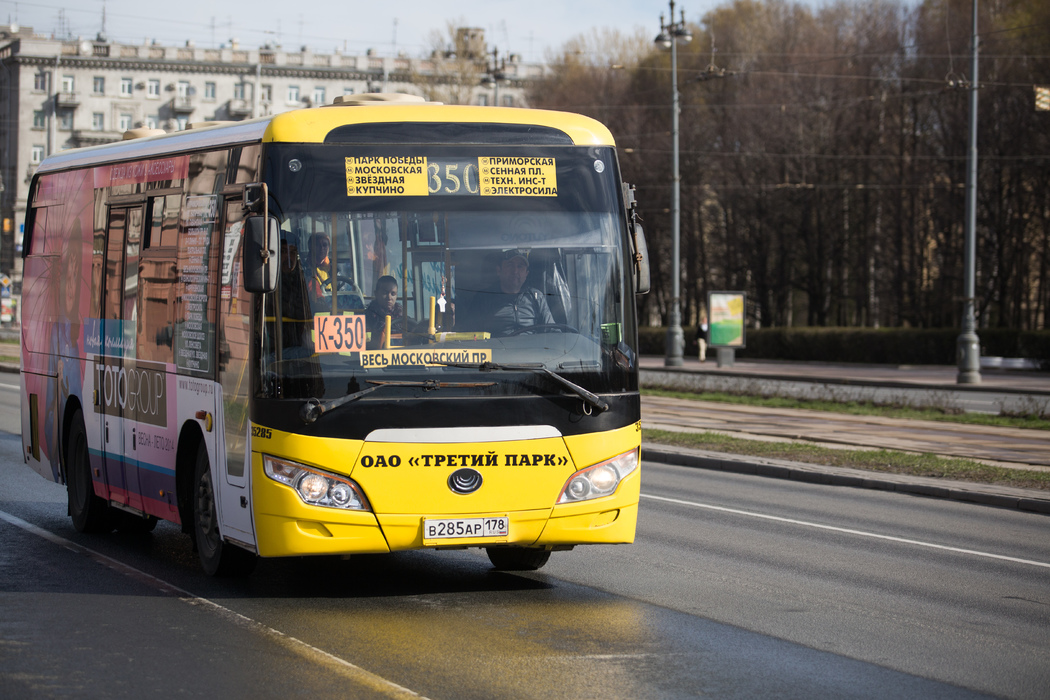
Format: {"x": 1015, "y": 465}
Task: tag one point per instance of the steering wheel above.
{"x": 343, "y": 283}
{"x": 543, "y": 328}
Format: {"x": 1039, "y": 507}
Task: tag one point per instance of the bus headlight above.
{"x": 600, "y": 479}
{"x": 316, "y": 487}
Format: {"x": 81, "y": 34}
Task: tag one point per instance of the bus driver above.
{"x": 510, "y": 306}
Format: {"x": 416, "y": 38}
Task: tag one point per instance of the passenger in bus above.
{"x": 320, "y": 282}
{"x": 385, "y": 304}
{"x": 510, "y": 306}
{"x": 296, "y": 316}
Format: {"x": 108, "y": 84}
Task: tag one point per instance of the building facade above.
{"x": 59, "y": 94}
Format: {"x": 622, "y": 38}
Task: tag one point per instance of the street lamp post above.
{"x": 668, "y": 38}
{"x": 968, "y": 347}
{"x": 494, "y": 73}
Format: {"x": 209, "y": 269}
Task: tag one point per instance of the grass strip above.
{"x": 1038, "y": 419}
{"x": 887, "y": 461}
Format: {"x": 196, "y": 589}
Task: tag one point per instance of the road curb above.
{"x": 1029, "y": 500}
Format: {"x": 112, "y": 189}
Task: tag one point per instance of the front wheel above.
{"x": 217, "y": 557}
{"x": 89, "y": 512}
{"x": 517, "y": 558}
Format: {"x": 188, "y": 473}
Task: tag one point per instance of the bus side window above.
{"x": 163, "y": 221}
{"x": 157, "y": 278}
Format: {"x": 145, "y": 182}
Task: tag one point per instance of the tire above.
{"x": 89, "y": 512}
{"x": 218, "y": 558}
{"x": 517, "y": 558}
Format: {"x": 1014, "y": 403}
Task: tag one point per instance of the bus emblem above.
{"x": 464, "y": 481}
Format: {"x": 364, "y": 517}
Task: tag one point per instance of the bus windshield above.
{"x": 424, "y": 262}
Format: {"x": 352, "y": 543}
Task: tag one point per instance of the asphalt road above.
{"x": 737, "y": 586}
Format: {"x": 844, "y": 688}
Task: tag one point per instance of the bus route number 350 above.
{"x": 447, "y": 528}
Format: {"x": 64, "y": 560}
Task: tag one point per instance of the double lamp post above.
{"x": 670, "y": 35}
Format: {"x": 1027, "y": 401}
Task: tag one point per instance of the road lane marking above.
{"x": 846, "y": 530}
{"x": 354, "y": 672}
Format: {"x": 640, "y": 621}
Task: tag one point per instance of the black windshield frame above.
{"x": 306, "y": 178}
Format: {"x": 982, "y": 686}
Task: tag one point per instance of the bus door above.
{"x": 234, "y": 487}
{"x": 119, "y": 319}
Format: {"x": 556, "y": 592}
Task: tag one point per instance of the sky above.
{"x": 529, "y": 28}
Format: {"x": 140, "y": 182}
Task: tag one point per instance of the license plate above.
{"x": 457, "y": 528}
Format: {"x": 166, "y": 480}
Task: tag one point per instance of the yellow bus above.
{"x": 372, "y": 326}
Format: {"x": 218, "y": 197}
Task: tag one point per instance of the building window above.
{"x": 36, "y": 155}
{"x": 98, "y": 85}
{"x": 151, "y": 122}
{"x": 124, "y": 123}
{"x": 181, "y": 121}
{"x": 483, "y": 100}
{"x": 183, "y": 89}
{"x": 126, "y": 87}
{"x": 238, "y": 91}
{"x": 67, "y": 84}
{"x": 266, "y": 93}
{"x": 39, "y": 119}
{"x": 293, "y": 94}
{"x": 40, "y": 82}
{"x": 348, "y": 91}
{"x": 319, "y": 96}
{"x": 153, "y": 89}
{"x": 508, "y": 100}
{"x": 98, "y": 121}
{"x": 65, "y": 120}
{"x": 209, "y": 91}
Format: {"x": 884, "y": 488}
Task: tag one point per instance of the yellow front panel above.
{"x": 408, "y": 482}
{"x": 517, "y": 475}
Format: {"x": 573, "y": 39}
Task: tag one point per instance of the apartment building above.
{"x": 57, "y": 94}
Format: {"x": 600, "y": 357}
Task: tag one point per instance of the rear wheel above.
{"x": 89, "y": 512}
{"x": 218, "y": 558}
{"x": 517, "y": 558}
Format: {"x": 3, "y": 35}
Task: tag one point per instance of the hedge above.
{"x": 898, "y": 346}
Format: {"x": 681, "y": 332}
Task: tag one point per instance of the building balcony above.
{"x": 68, "y": 100}
{"x": 182, "y": 105}
{"x": 85, "y": 137}
{"x": 239, "y": 109}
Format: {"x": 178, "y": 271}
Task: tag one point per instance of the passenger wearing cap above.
{"x": 510, "y": 306}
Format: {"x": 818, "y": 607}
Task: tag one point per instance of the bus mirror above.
{"x": 641, "y": 261}
{"x": 261, "y": 256}
{"x": 255, "y": 197}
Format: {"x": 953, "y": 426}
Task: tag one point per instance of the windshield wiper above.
{"x": 593, "y": 400}
{"x": 315, "y": 408}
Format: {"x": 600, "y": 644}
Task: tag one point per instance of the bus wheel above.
{"x": 217, "y": 557}
{"x": 89, "y": 512}
{"x": 517, "y": 558}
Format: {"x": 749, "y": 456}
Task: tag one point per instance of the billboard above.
{"x": 726, "y": 319}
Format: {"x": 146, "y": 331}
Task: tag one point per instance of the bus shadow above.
{"x": 398, "y": 574}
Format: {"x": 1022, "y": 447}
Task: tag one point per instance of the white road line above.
{"x": 847, "y": 530}
{"x": 354, "y": 672}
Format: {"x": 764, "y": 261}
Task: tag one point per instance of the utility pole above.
{"x": 968, "y": 347}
